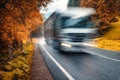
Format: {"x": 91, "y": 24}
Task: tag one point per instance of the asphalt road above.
{"x": 89, "y": 64}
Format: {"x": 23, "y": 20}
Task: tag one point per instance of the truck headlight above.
{"x": 66, "y": 45}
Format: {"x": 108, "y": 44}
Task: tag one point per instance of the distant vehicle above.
{"x": 67, "y": 30}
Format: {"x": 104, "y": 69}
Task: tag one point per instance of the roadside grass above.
{"x": 19, "y": 67}
{"x": 111, "y": 40}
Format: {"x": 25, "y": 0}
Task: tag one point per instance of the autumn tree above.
{"x": 17, "y": 19}
{"x": 106, "y": 10}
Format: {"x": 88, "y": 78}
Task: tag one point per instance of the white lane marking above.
{"x": 87, "y": 44}
{"x": 117, "y": 60}
{"x": 61, "y": 68}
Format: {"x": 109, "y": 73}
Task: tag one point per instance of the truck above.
{"x": 68, "y": 30}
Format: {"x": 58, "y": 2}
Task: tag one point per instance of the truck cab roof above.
{"x": 77, "y": 12}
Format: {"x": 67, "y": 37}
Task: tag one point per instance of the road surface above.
{"x": 89, "y": 64}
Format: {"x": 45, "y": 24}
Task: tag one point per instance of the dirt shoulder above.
{"x": 39, "y": 69}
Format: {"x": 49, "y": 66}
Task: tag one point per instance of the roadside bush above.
{"x": 19, "y": 67}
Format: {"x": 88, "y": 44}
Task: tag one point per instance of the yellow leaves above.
{"x": 20, "y": 63}
{"x": 24, "y": 41}
{"x": 8, "y": 67}
{"x": 6, "y": 75}
{"x": 11, "y": 75}
{"x": 114, "y": 33}
{"x": 109, "y": 44}
{"x": 18, "y": 72}
{"x": 111, "y": 40}
{"x": 19, "y": 66}
{"x": 29, "y": 47}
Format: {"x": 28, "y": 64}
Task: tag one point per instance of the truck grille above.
{"x": 76, "y": 37}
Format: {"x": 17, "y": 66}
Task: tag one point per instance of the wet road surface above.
{"x": 89, "y": 64}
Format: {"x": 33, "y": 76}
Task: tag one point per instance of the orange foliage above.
{"x": 17, "y": 19}
{"x": 105, "y": 10}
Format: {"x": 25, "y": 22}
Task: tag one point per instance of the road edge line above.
{"x": 60, "y": 67}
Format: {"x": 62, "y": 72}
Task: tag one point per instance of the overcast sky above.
{"x": 56, "y": 4}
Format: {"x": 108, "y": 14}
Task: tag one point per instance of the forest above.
{"x": 18, "y": 18}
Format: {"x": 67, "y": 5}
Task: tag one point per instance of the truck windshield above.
{"x": 83, "y": 22}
